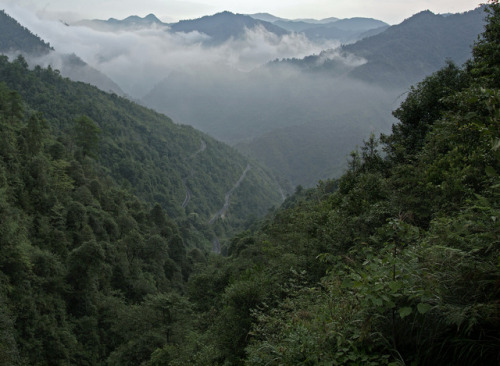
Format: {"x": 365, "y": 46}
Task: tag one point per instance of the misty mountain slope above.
{"x": 299, "y": 124}
{"x": 16, "y": 39}
{"x": 145, "y": 150}
{"x": 319, "y": 149}
{"x": 223, "y": 26}
{"x": 405, "y": 53}
{"x": 265, "y": 112}
{"x": 266, "y": 17}
{"x": 418, "y": 46}
{"x": 344, "y": 30}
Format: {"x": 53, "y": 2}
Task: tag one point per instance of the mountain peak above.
{"x": 224, "y": 25}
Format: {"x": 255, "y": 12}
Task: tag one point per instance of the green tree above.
{"x": 87, "y": 136}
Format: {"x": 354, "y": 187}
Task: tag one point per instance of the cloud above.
{"x": 137, "y": 60}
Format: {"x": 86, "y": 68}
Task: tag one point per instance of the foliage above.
{"x": 395, "y": 263}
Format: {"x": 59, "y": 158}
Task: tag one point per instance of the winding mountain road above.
{"x": 224, "y": 208}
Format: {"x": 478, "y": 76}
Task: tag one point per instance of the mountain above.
{"x": 418, "y": 46}
{"x": 16, "y": 39}
{"x": 344, "y": 30}
{"x": 265, "y": 112}
{"x": 223, "y": 26}
{"x": 266, "y": 17}
{"x": 162, "y": 162}
{"x": 132, "y": 22}
{"x": 294, "y": 25}
{"x": 404, "y": 53}
{"x": 318, "y": 149}
{"x": 73, "y": 67}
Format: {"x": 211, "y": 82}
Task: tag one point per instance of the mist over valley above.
{"x": 250, "y": 190}
{"x": 259, "y": 82}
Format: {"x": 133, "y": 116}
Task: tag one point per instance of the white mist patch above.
{"x": 348, "y": 59}
{"x": 258, "y": 46}
{"x": 138, "y": 59}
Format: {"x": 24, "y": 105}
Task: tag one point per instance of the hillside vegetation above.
{"x": 105, "y": 208}
{"x": 395, "y": 263}
{"x": 144, "y": 150}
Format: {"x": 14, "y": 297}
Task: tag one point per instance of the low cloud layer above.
{"x": 137, "y": 60}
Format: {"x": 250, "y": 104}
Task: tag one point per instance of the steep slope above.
{"x": 77, "y": 249}
{"x": 405, "y": 53}
{"x": 392, "y": 60}
{"x": 147, "y": 151}
{"x": 16, "y": 39}
{"x": 394, "y": 263}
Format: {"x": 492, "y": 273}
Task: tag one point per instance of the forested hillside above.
{"x": 105, "y": 208}
{"x": 395, "y": 263}
{"x": 146, "y": 151}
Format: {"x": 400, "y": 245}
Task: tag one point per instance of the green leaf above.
{"x": 490, "y": 171}
{"x": 404, "y": 312}
{"x": 395, "y": 286}
{"x": 423, "y": 308}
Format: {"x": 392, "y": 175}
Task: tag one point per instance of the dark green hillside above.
{"x": 82, "y": 260}
{"x": 395, "y": 263}
{"x": 91, "y": 274}
{"x": 14, "y": 38}
{"x": 142, "y": 149}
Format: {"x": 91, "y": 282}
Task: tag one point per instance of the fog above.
{"x": 137, "y": 60}
{"x": 231, "y": 92}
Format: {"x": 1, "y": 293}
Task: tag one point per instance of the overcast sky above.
{"x": 390, "y": 11}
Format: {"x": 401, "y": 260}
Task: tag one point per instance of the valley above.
{"x": 249, "y": 189}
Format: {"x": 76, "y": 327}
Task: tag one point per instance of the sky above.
{"x": 390, "y": 11}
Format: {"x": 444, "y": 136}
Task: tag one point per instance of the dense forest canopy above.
{"x": 395, "y": 263}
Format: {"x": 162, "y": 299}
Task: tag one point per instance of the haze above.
{"x": 224, "y": 89}
{"x": 390, "y": 11}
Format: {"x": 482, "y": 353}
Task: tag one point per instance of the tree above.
{"x": 486, "y": 61}
{"x": 87, "y": 136}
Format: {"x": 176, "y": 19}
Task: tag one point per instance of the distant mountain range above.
{"x": 225, "y": 25}
{"x": 268, "y": 111}
{"x": 130, "y": 23}
{"x": 302, "y": 116}
{"x": 405, "y": 53}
